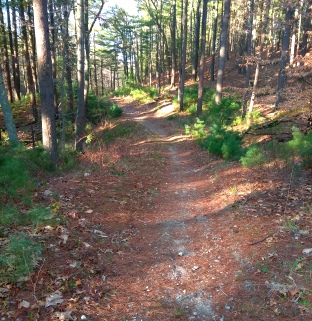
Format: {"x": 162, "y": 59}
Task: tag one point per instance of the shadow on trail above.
{"x": 190, "y": 247}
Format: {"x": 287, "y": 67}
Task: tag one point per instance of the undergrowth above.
{"x": 214, "y": 130}
{"x": 120, "y": 130}
{"x": 141, "y": 94}
{"x": 19, "y": 168}
{"x": 298, "y": 149}
{"x": 100, "y": 108}
{"x": 19, "y": 258}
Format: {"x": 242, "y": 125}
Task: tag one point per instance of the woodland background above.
{"x": 238, "y": 75}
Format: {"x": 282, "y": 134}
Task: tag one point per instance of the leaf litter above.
{"x": 168, "y": 239}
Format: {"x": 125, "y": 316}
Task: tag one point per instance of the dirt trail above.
{"x": 155, "y": 229}
{"x": 179, "y": 214}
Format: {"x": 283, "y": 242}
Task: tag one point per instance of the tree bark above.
{"x": 223, "y": 47}
{"x": 257, "y": 72}
{"x": 183, "y": 56}
{"x": 45, "y": 79}
{"x": 32, "y": 42}
{"x": 11, "y": 47}
{"x": 173, "y": 42}
{"x": 7, "y": 113}
{"x": 281, "y": 82}
{"x": 196, "y": 42}
{"x": 30, "y": 79}
{"x": 17, "y": 77}
{"x": 214, "y": 39}
{"x": 248, "y": 56}
{"x": 306, "y": 27}
{"x": 80, "y": 119}
{"x": 53, "y": 51}
{"x": 6, "y": 56}
{"x": 202, "y": 61}
{"x": 67, "y": 64}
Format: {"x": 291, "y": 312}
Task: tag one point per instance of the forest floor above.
{"x": 155, "y": 228}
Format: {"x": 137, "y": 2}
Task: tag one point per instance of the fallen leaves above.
{"x": 54, "y": 299}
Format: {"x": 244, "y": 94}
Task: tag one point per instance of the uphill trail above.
{"x": 153, "y": 228}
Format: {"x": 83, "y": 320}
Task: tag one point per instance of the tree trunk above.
{"x": 281, "y": 82}
{"x": 30, "y": 79}
{"x": 256, "y": 78}
{"x": 183, "y": 56}
{"x": 45, "y": 79}
{"x": 202, "y": 61}
{"x": 80, "y": 119}
{"x": 17, "y": 77}
{"x": 87, "y": 55}
{"x": 248, "y": 56}
{"x": 196, "y": 42}
{"x": 214, "y": 39}
{"x": 223, "y": 47}
{"x": 6, "y": 56}
{"x": 67, "y": 64}
{"x": 11, "y": 47}
{"x": 7, "y": 113}
{"x": 96, "y": 87}
{"x": 173, "y": 42}
{"x": 52, "y": 28}
{"x": 306, "y": 28}
{"x": 32, "y": 42}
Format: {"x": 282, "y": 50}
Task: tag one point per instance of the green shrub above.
{"x": 144, "y": 94}
{"x": 98, "y": 108}
{"x": 302, "y": 145}
{"x": 19, "y": 258}
{"x": 224, "y": 114}
{"x": 197, "y": 130}
{"x": 122, "y": 92}
{"x": 15, "y": 179}
{"x": 254, "y": 157}
{"x": 115, "y": 111}
{"x": 222, "y": 142}
{"x": 9, "y": 216}
{"x": 68, "y": 159}
{"x": 37, "y": 215}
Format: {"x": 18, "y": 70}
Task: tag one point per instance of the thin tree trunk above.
{"x": 281, "y": 82}
{"x": 102, "y": 76}
{"x": 17, "y": 77}
{"x": 10, "y": 33}
{"x": 87, "y": 54}
{"x": 183, "y": 60}
{"x": 223, "y": 47}
{"x": 52, "y": 28}
{"x": 173, "y": 42}
{"x": 306, "y": 28}
{"x": 80, "y": 119}
{"x": 7, "y": 113}
{"x": 45, "y": 79}
{"x": 96, "y": 87}
{"x": 293, "y": 37}
{"x": 214, "y": 39}
{"x": 196, "y": 42}
{"x": 202, "y": 61}
{"x": 248, "y": 56}
{"x": 6, "y": 56}
{"x": 32, "y": 42}
{"x": 256, "y": 78}
{"x": 30, "y": 79}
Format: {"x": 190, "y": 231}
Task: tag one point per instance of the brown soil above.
{"x": 157, "y": 229}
